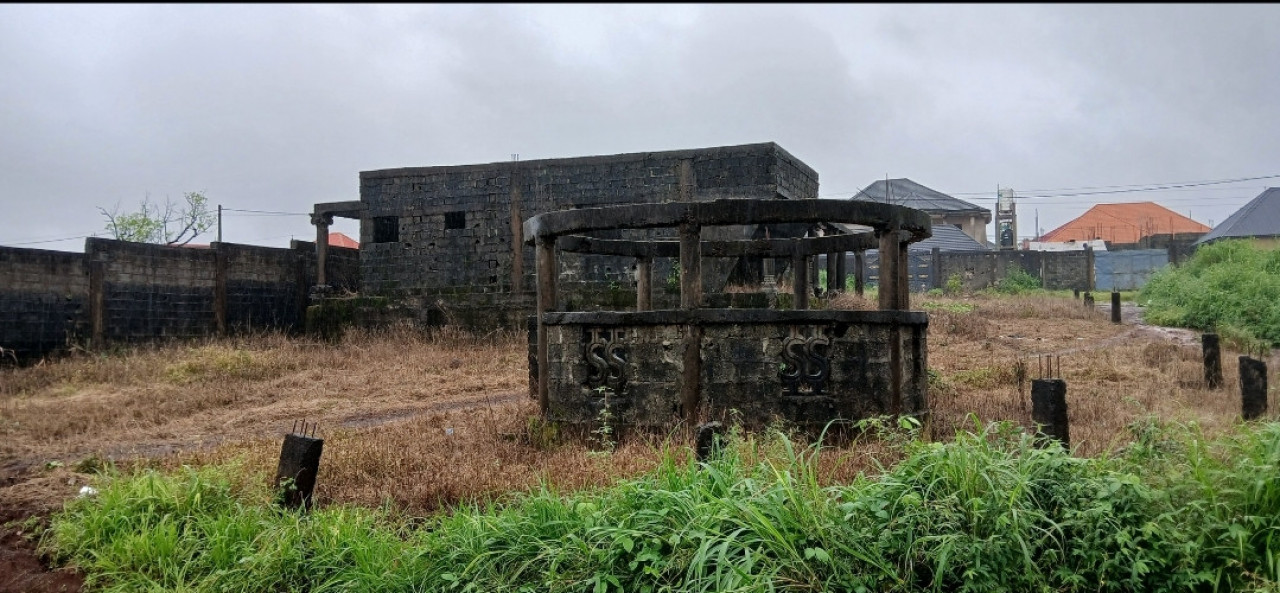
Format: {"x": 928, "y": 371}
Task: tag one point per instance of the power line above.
{"x": 1104, "y": 189}
{"x": 266, "y": 212}
{"x": 51, "y": 240}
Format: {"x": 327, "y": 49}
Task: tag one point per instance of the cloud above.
{"x": 279, "y": 107}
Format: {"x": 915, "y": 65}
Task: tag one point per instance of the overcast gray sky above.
{"x": 279, "y": 107}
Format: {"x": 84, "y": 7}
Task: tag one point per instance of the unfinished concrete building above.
{"x": 448, "y": 240}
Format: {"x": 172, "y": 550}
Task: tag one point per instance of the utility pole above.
{"x": 219, "y": 223}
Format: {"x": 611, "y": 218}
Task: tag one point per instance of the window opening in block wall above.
{"x": 455, "y": 220}
{"x": 386, "y": 229}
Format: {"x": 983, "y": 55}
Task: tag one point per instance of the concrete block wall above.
{"x": 118, "y": 291}
{"x": 457, "y": 229}
{"x": 43, "y": 300}
{"x": 150, "y": 291}
{"x": 265, "y": 288}
{"x": 740, "y": 373}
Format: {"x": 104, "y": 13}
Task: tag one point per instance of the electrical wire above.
{"x": 1106, "y": 189}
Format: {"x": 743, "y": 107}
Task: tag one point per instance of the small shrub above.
{"x": 954, "y": 285}
{"x": 1017, "y": 281}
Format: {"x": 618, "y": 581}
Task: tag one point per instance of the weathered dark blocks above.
{"x": 432, "y": 262}
{"x": 1049, "y": 409}
{"x": 1253, "y": 388}
{"x": 296, "y": 475}
{"x": 1212, "y": 360}
{"x": 710, "y": 440}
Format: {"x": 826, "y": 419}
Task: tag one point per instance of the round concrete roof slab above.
{"x": 881, "y": 217}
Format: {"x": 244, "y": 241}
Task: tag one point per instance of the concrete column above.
{"x": 799, "y": 282}
{"x": 936, "y": 271}
{"x": 1049, "y": 409}
{"x": 690, "y": 266}
{"x": 1212, "y": 360}
{"x": 888, "y": 269}
{"x": 322, "y": 222}
{"x": 220, "y": 288}
{"x": 842, "y": 271}
{"x": 815, "y": 286}
{"x": 546, "y": 260}
{"x": 1088, "y": 269}
{"x": 1253, "y": 388}
{"x": 517, "y": 235}
{"x": 904, "y": 278}
{"x": 860, "y": 272}
{"x": 1115, "y": 306}
{"x": 644, "y": 284}
{"x": 691, "y": 298}
{"x": 833, "y": 285}
{"x": 97, "y": 301}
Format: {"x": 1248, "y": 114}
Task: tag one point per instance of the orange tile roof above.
{"x": 341, "y": 240}
{"x": 1124, "y": 223}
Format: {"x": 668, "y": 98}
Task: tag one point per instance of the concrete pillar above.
{"x": 1049, "y": 409}
{"x": 842, "y": 271}
{"x": 1115, "y": 307}
{"x": 690, "y": 266}
{"x": 1212, "y": 360}
{"x": 644, "y": 284}
{"x": 322, "y": 222}
{"x": 833, "y": 285}
{"x": 710, "y": 440}
{"x": 888, "y": 269}
{"x": 1253, "y": 388}
{"x": 799, "y": 282}
{"x": 546, "y": 261}
{"x": 691, "y": 298}
{"x": 903, "y": 300}
{"x": 220, "y": 288}
{"x": 296, "y": 472}
{"x": 815, "y": 284}
{"x": 97, "y": 301}
{"x": 1088, "y": 269}
{"x": 936, "y": 272}
{"x": 517, "y": 235}
{"x": 860, "y": 272}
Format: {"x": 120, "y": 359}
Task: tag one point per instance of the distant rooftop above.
{"x": 1124, "y": 223}
{"x": 1259, "y": 218}
{"x": 905, "y": 192}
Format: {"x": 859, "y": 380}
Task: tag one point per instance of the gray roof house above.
{"x": 1260, "y": 218}
{"x": 945, "y": 210}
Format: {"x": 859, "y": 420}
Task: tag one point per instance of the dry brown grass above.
{"x": 216, "y": 390}
{"x": 424, "y": 421}
{"x": 1115, "y": 374}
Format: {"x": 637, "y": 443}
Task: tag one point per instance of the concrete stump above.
{"x": 296, "y": 474}
{"x": 1115, "y": 307}
{"x": 1212, "y": 361}
{"x": 710, "y": 440}
{"x": 1253, "y": 388}
{"x": 1088, "y": 300}
{"x": 1049, "y": 409}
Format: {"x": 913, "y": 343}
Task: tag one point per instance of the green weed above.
{"x": 991, "y": 511}
{"x": 1233, "y": 286}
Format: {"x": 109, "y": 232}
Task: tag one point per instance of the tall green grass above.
{"x": 988, "y": 512}
{"x": 1231, "y": 286}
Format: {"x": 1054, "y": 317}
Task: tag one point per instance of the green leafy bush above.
{"x": 1017, "y": 281}
{"x": 1230, "y": 286}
